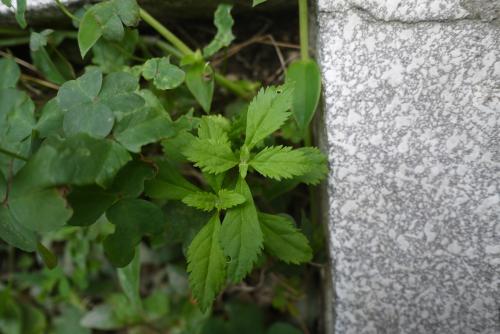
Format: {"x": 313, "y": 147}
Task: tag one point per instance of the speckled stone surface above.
{"x": 412, "y": 130}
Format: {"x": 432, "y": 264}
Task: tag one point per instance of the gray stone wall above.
{"x": 412, "y": 130}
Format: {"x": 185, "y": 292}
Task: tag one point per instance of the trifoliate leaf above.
{"x": 278, "y": 162}
{"x": 224, "y": 23}
{"x": 9, "y": 73}
{"x": 89, "y": 204}
{"x": 17, "y": 121}
{"x": 200, "y": 82}
{"x": 119, "y": 93}
{"x": 89, "y": 103}
{"x": 214, "y": 127}
{"x": 112, "y": 56}
{"x": 164, "y": 74}
{"x": 169, "y": 183}
{"x": 14, "y": 233}
{"x": 316, "y": 166}
{"x": 144, "y": 126}
{"x": 306, "y": 78}
{"x": 283, "y": 240}
{"x": 267, "y": 112}
{"x": 106, "y": 19}
{"x": 206, "y": 264}
{"x": 241, "y": 235}
{"x": 133, "y": 219}
{"x": 211, "y": 156}
{"x": 201, "y": 200}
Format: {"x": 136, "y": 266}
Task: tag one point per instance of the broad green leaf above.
{"x": 257, "y": 2}
{"x": 169, "y": 183}
{"x": 201, "y": 200}
{"x": 90, "y": 104}
{"x": 144, "y": 126}
{"x": 20, "y": 13}
{"x": 51, "y": 119}
{"x": 133, "y": 219}
{"x": 106, "y": 19}
{"x": 164, "y": 74}
{"x": 17, "y": 121}
{"x": 119, "y": 93}
{"x": 267, "y": 112}
{"x": 224, "y": 23}
{"x": 241, "y": 235}
{"x": 130, "y": 279}
{"x": 278, "y": 162}
{"x": 89, "y": 204}
{"x": 200, "y": 82}
{"x": 206, "y": 264}
{"x": 9, "y": 73}
{"x": 306, "y": 78}
{"x": 129, "y": 182}
{"x": 89, "y": 32}
{"x": 283, "y": 328}
{"x": 283, "y": 240}
{"x": 211, "y": 155}
{"x": 214, "y": 127}
{"x": 316, "y": 166}
{"x": 14, "y": 233}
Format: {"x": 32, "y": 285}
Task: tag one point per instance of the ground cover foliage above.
{"x": 144, "y": 190}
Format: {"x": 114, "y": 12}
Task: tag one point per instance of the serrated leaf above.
{"x": 17, "y": 121}
{"x": 214, "y": 127}
{"x": 283, "y": 240}
{"x": 89, "y": 204}
{"x": 9, "y": 73}
{"x": 133, "y": 219}
{"x": 211, "y": 156}
{"x": 164, "y": 74}
{"x": 228, "y": 198}
{"x": 278, "y": 162}
{"x": 169, "y": 183}
{"x": 14, "y": 233}
{"x": 267, "y": 112}
{"x": 144, "y": 126}
{"x": 206, "y": 264}
{"x": 224, "y": 23}
{"x": 200, "y": 82}
{"x": 306, "y": 78}
{"x": 241, "y": 235}
{"x": 201, "y": 200}
{"x": 316, "y": 166}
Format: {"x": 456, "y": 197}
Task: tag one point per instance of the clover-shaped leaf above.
{"x": 89, "y": 102}
{"x": 164, "y": 74}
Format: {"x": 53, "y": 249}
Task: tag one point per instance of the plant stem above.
{"x": 12, "y": 154}
{"x": 304, "y": 30}
{"x": 66, "y": 11}
{"x": 40, "y": 82}
{"x": 167, "y": 34}
{"x": 163, "y": 46}
{"x": 14, "y": 41}
{"x": 232, "y": 86}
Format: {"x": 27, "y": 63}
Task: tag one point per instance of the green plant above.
{"x": 106, "y": 146}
